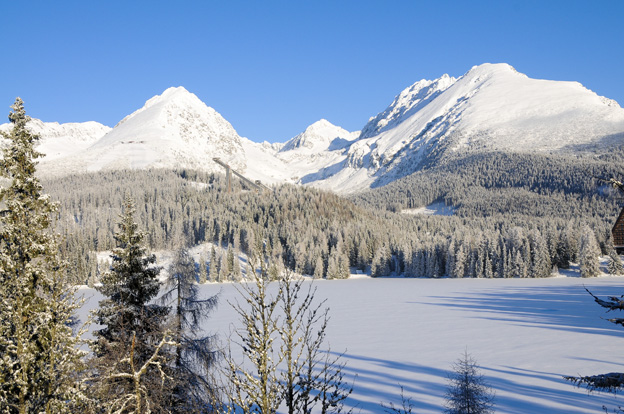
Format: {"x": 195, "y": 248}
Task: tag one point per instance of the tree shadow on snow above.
{"x": 567, "y": 308}
{"x": 383, "y": 379}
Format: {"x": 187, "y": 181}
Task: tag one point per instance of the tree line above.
{"x": 520, "y": 224}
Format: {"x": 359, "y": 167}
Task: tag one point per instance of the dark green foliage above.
{"x": 134, "y": 341}
{"x": 195, "y": 355}
{"x": 39, "y": 359}
{"x": 129, "y": 287}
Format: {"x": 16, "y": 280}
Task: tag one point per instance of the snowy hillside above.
{"x": 408, "y": 102}
{"x": 311, "y": 154}
{"x": 172, "y": 130}
{"x": 60, "y": 140}
{"x": 490, "y": 108}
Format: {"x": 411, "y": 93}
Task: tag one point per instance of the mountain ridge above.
{"x": 492, "y": 107}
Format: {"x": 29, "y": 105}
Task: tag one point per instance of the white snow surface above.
{"x": 491, "y": 107}
{"x": 59, "y": 140}
{"x": 525, "y": 334}
{"x": 434, "y": 209}
{"x": 314, "y": 154}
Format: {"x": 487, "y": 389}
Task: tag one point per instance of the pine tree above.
{"x": 229, "y": 263}
{"x": 213, "y": 272}
{"x": 318, "y": 268}
{"x": 237, "y": 274}
{"x": 203, "y": 269}
{"x": 128, "y": 316}
{"x": 615, "y": 263}
{"x": 588, "y": 253}
{"x": 39, "y": 359}
{"x": 467, "y": 392}
{"x": 195, "y": 355}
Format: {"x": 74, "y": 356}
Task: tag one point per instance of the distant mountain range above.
{"x": 490, "y": 108}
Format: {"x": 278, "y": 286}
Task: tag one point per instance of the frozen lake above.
{"x": 524, "y": 333}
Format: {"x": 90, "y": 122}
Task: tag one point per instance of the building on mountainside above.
{"x": 618, "y": 233}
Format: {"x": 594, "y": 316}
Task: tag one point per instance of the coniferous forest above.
{"x": 515, "y": 215}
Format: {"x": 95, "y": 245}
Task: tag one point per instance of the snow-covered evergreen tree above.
{"x": 39, "y": 356}
{"x": 213, "y": 272}
{"x": 193, "y": 391}
{"x": 589, "y": 253}
{"x": 130, "y": 321}
{"x": 615, "y": 263}
{"x": 203, "y": 269}
{"x": 318, "y": 268}
{"x": 467, "y": 392}
{"x": 129, "y": 287}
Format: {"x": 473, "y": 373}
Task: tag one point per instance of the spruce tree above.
{"x": 467, "y": 392}
{"x": 589, "y": 253}
{"x": 213, "y": 273}
{"x": 39, "y": 359}
{"x": 203, "y": 269}
{"x": 130, "y": 320}
{"x": 615, "y": 263}
{"x": 193, "y": 391}
{"x": 130, "y": 285}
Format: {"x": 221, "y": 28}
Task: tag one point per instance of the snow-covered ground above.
{"x": 524, "y": 333}
{"x": 434, "y": 209}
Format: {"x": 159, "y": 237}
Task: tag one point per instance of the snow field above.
{"x": 524, "y": 333}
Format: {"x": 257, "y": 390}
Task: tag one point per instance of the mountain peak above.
{"x": 178, "y": 95}
{"x": 317, "y": 136}
{"x": 490, "y": 70}
{"x": 320, "y": 125}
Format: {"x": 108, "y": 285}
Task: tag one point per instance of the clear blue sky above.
{"x": 273, "y": 67}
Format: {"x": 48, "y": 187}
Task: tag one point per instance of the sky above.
{"x": 272, "y": 68}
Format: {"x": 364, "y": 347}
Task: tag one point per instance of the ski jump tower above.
{"x": 255, "y": 185}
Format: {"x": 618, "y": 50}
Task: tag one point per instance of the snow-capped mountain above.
{"x": 311, "y": 154}
{"x": 319, "y": 137}
{"x": 60, "y": 140}
{"x": 408, "y": 102}
{"x": 490, "y": 108}
{"x": 171, "y": 130}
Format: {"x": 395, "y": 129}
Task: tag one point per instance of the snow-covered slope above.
{"x": 491, "y": 107}
{"x": 60, "y": 140}
{"x": 408, "y": 102}
{"x": 172, "y": 130}
{"x": 312, "y": 155}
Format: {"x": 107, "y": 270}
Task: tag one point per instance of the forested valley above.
{"x": 515, "y": 215}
